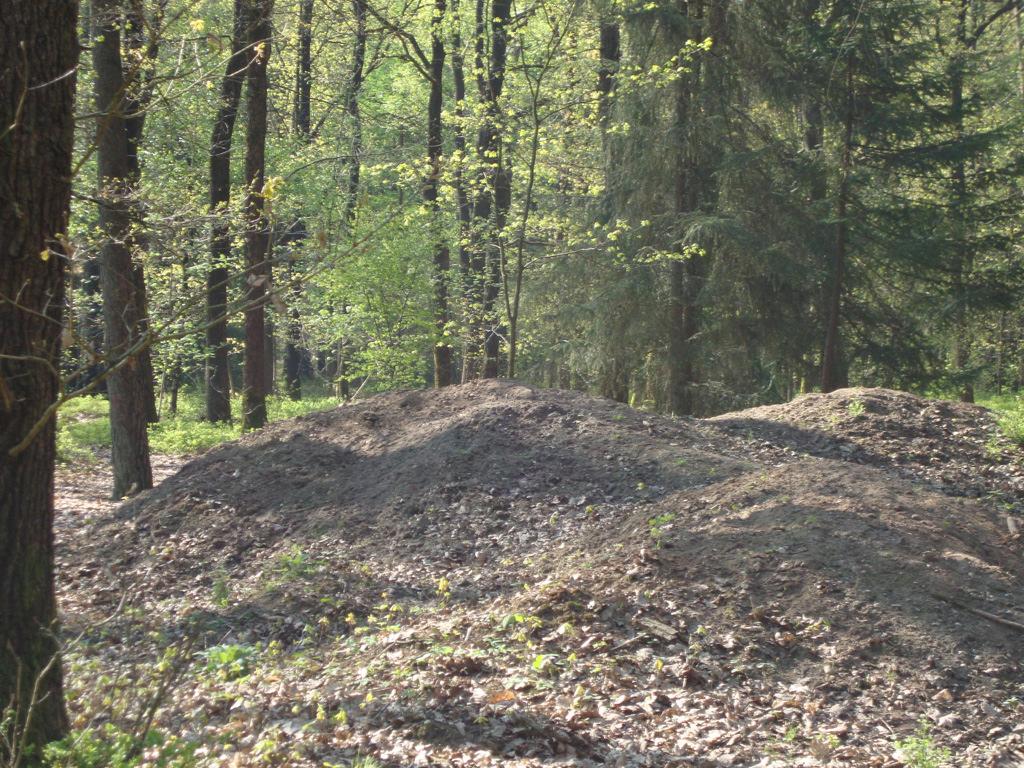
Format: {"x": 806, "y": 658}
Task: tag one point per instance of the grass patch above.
{"x": 1009, "y": 410}
{"x": 83, "y": 425}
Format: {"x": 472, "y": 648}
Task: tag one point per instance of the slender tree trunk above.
{"x": 465, "y": 212}
{"x": 302, "y": 118}
{"x": 615, "y": 373}
{"x": 501, "y": 185}
{"x": 681, "y": 321}
{"x": 352, "y": 107}
{"x": 293, "y": 349}
{"x": 963, "y": 258}
{"x": 37, "y": 114}
{"x": 218, "y": 380}
{"x": 493, "y": 197}
{"x": 435, "y": 149}
{"x": 123, "y": 317}
{"x": 303, "y": 80}
{"x": 138, "y": 96}
{"x": 833, "y": 371}
{"x": 257, "y": 234}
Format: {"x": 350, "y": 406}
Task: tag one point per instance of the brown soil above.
{"x": 497, "y": 574}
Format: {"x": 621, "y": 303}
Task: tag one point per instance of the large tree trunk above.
{"x": 218, "y": 380}
{"x": 257, "y": 232}
{"x": 435, "y": 148}
{"x": 124, "y": 318}
{"x": 37, "y": 115}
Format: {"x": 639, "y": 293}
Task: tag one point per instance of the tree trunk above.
{"x": 123, "y": 317}
{"x": 833, "y": 371}
{"x": 257, "y": 226}
{"x": 302, "y": 124}
{"x": 303, "y": 81}
{"x": 435, "y": 148}
{"x": 293, "y": 350}
{"x": 681, "y": 315}
{"x": 963, "y": 258}
{"x": 493, "y": 198}
{"x": 218, "y": 380}
{"x": 37, "y": 112}
{"x": 138, "y": 96}
{"x": 465, "y": 212}
{"x": 352, "y": 107}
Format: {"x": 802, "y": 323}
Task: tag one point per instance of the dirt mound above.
{"x": 762, "y": 583}
{"x": 956, "y": 447}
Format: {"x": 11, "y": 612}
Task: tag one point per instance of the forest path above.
{"x": 501, "y": 575}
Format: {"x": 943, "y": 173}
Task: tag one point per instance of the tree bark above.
{"x": 38, "y": 58}
{"x": 493, "y": 197}
{"x": 138, "y": 96}
{"x": 218, "y": 380}
{"x": 124, "y": 318}
{"x": 257, "y": 233}
{"x": 465, "y": 213}
{"x": 682, "y": 316}
{"x": 962, "y": 258}
{"x": 435, "y": 148}
{"x": 352, "y": 107}
{"x": 302, "y": 123}
{"x": 833, "y": 371}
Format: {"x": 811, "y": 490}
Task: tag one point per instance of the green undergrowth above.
{"x": 1010, "y": 411}
{"x": 83, "y": 425}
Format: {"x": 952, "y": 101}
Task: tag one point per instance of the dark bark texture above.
{"x": 435, "y": 149}
{"x": 257, "y": 234}
{"x": 38, "y": 56}
{"x": 124, "y": 317}
{"x": 218, "y": 381}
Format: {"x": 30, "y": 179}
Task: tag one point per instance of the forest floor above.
{"x": 500, "y": 575}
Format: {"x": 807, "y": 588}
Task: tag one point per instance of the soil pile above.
{"x": 567, "y": 579}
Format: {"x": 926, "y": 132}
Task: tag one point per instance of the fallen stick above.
{"x": 995, "y": 618}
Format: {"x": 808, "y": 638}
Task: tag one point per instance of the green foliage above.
{"x": 1010, "y": 412}
{"x": 110, "y": 747}
{"x": 83, "y": 425}
{"x": 295, "y": 564}
{"x": 221, "y": 589}
{"x": 920, "y": 750}
{"x": 658, "y": 524}
{"x": 229, "y": 662}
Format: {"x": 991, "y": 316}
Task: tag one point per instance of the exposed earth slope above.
{"x": 497, "y": 574}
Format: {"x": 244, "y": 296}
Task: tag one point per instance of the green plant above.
{"x": 110, "y": 747}
{"x": 295, "y": 564}
{"x": 855, "y": 407}
{"x": 229, "y": 662}
{"x": 658, "y": 523}
{"x": 221, "y": 589}
{"x": 920, "y": 750}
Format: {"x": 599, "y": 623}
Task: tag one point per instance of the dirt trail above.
{"x": 497, "y": 574}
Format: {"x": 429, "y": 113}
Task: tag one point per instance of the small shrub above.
{"x": 920, "y": 750}
{"x": 295, "y": 564}
{"x": 658, "y": 524}
{"x": 229, "y": 662}
{"x": 111, "y": 747}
